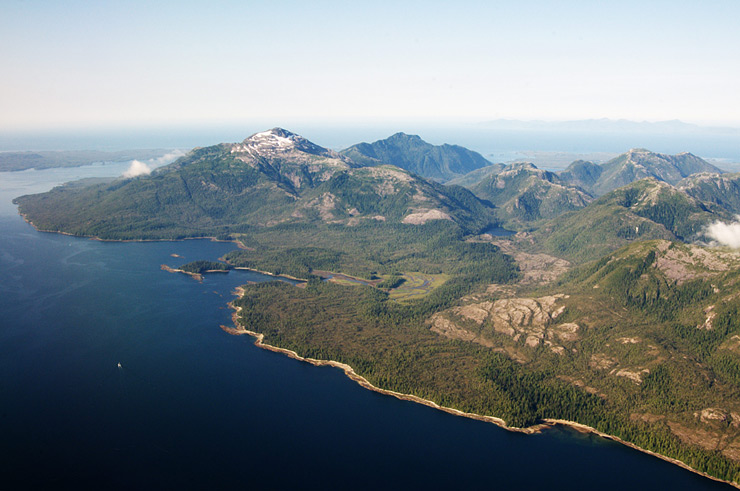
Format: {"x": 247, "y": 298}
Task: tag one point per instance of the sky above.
{"x": 107, "y": 63}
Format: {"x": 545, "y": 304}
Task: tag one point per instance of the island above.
{"x": 614, "y": 308}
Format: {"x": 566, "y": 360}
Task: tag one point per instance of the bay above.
{"x": 194, "y": 407}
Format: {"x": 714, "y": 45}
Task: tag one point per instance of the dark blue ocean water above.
{"x": 194, "y": 407}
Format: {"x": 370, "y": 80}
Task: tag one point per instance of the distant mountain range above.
{"x": 410, "y": 152}
{"x": 608, "y": 125}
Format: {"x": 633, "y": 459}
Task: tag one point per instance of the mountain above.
{"x": 410, "y": 152}
{"x": 475, "y": 176}
{"x": 273, "y": 177}
{"x": 582, "y": 174}
{"x": 643, "y": 210}
{"x": 720, "y": 189}
{"x": 640, "y": 163}
{"x": 594, "y": 179}
{"x": 524, "y": 193}
{"x": 651, "y": 330}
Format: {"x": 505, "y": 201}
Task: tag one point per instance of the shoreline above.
{"x": 352, "y": 375}
{"x": 196, "y": 276}
{"x": 236, "y": 242}
{"x": 363, "y": 382}
{"x": 95, "y": 237}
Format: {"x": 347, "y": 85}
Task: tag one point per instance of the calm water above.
{"x": 193, "y": 407}
{"x": 498, "y": 231}
{"x": 498, "y": 145}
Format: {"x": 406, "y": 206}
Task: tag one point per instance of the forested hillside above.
{"x": 608, "y": 312}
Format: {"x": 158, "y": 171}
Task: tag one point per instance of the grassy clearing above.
{"x": 417, "y": 285}
{"x": 414, "y": 285}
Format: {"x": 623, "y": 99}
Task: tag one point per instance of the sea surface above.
{"x": 498, "y": 144}
{"x": 193, "y": 407}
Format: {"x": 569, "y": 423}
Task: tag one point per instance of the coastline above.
{"x": 197, "y": 276}
{"x": 352, "y": 375}
{"x": 95, "y": 237}
{"x": 363, "y": 382}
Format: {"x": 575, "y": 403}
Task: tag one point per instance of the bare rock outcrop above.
{"x": 421, "y": 217}
{"x": 530, "y": 321}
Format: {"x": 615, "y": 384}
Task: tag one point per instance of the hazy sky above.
{"x": 108, "y": 63}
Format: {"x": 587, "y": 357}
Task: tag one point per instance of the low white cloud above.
{"x": 167, "y": 158}
{"x": 137, "y": 168}
{"x": 726, "y": 234}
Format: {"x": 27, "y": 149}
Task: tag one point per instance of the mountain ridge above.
{"x": 523, "y": 193}
{"x": 640, "y": 163}
{"x": 270, "y": 178}
{"x": 643, "y": 210}
{"x": 410, "y": 152}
